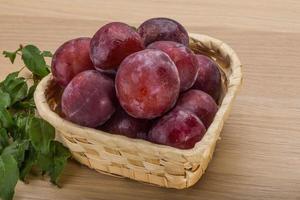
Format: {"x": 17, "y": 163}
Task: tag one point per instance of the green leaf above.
{"x": 10, "y": 55}
{"x": 31, "y": 91}
{"x": 8, "y": 79}
{"x": 30, "y": 160}
{"x": 45, "y": 162}
{"x": 26, "y": 141}
{"x": 19, "y": 92}
{"x": 9, "y": 175}
{"x": 17, "y": 150}
{"x": 16, "y": 87}
{"x": 54, "y": 163}
{"x": 6, "y": 120}
{"x": 60, "y": 158}
{"x": 27, "y": 105}
{"x": 9, "y": 86}
{"x": 12, "y": 75}
{"x": 4, "y": 99}
{"x": 41, "y": 133}
{"x": 4, "y": 140}
{"x": 34, "y": 60}
{"x": 36, "y": 78}
{"x": 47, "y": 54}
{"x": 20, "y": 131}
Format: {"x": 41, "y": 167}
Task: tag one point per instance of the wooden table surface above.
{"x": 259, "y": 154}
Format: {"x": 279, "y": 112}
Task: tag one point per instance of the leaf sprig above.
{"x": 26, "y": 141}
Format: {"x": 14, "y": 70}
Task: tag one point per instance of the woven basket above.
{"x": 138, "y": 159}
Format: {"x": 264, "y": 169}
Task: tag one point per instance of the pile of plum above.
{"x": 142, "y": 83}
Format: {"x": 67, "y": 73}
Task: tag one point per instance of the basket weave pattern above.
{"x": 141, "y": 160}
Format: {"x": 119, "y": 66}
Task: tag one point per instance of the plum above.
{"x": 89, "y": 99}
{"x": 112, "y": 43}
{"x": 184, "y": 60}
{"x": 147, "y": 84}
{"x": 109, "y": 73}
{"x": 71, "y": 58}
{"x": 199, "y": 103}
{"x": 209, "y": 77}
{"x": 123, "y": 124}
{"x": 179, "y": 128}
{"x": 163, "y": 29}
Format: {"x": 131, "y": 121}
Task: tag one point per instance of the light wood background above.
{"x": 259, "y": 154}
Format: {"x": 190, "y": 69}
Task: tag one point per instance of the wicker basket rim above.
{"x": 235, "y": 80}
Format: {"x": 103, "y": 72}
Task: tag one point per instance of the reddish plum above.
{"x": 70, "y": 59}
{"x": 89, "y": 99}
{"x": 200, "y": 103}
{"x": 142, "y": 135}
{"x": 123, "y": 124}
{"x": 112, "y": 43}
{"x": 109, "y": 73}
{"x": 158, "y": 29}
{"x": 209, "y": 77}
{"x": 184, "y": 60}
{"x": 181, "y": 129}
{"x": 147, "y": 84}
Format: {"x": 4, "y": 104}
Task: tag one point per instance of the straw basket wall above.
{"x": 138, "y": 159}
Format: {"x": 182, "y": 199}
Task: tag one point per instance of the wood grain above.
{"x": 259, "y": 154}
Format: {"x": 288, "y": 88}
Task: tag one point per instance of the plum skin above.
{"x": 147, "y": 84}
{"x": 184, "y": 60}
{"x": 112, "y": 43}
{"x": 89, "y": 99}
{"x": 70, "y": 59}
{"x": 209, "y": 77}
{"x": 123, "y": 124}
{"x": 199, "y": 103}
{"x": 163, "y": 29}
{"x": 180, "y": 129}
